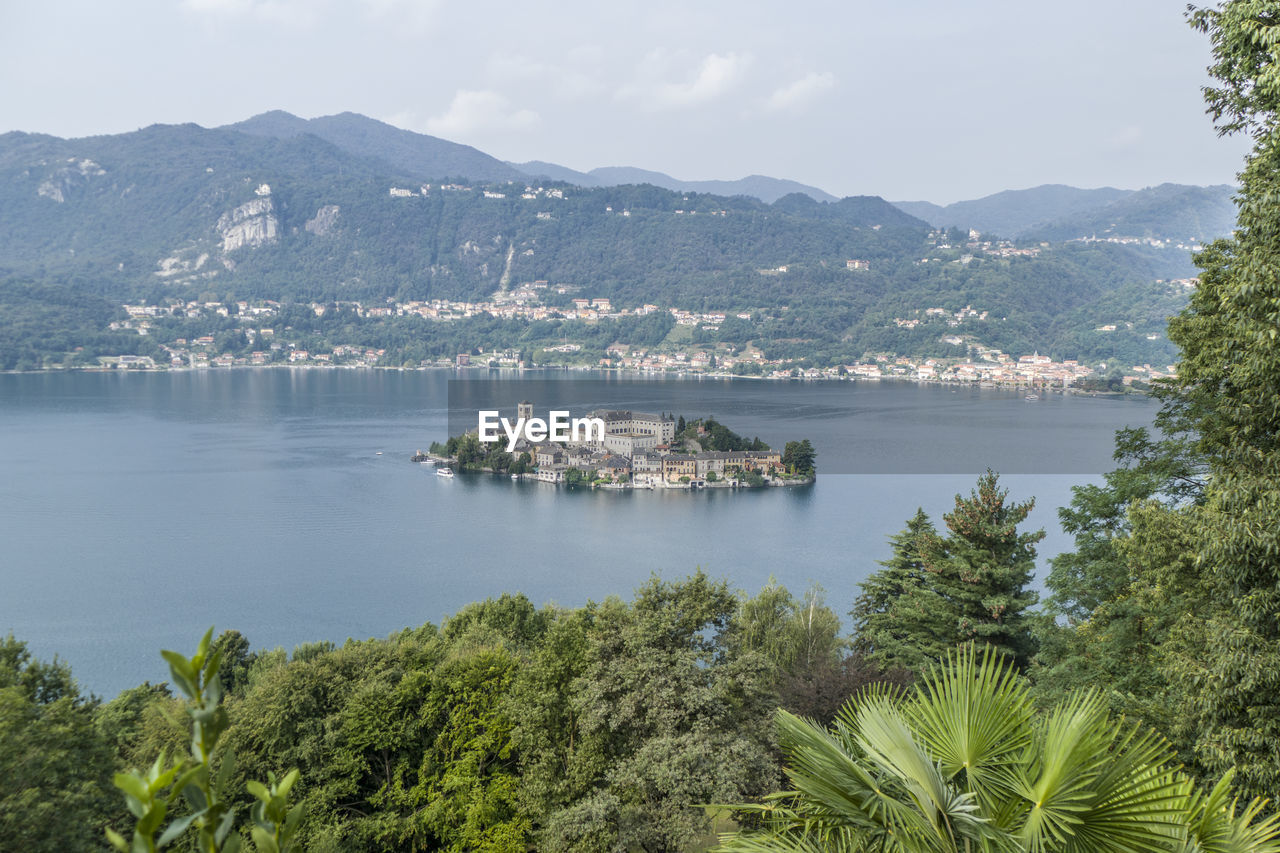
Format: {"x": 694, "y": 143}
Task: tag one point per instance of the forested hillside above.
{"x": 182, "y": 213}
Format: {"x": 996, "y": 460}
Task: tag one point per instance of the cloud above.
{"x": 1126, "y": 137}
{"x": 479, "y": 110}
{"x": 564, "y": 81}
{"x": 801, "y": 92}
{"x": 717, "y": 74}
{"x": 288, "y": 12}
{"x": 411, "y": 17}
{"x": 405, "y": 18}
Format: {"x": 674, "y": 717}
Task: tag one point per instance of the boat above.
{"x": 1031, "y": 397}
{"x": 444, "y": 472}
{"x": 515, "y": 476}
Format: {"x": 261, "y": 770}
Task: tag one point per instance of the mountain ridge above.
{"x": 1178, "y": 212}
{"x": 429, "y": 157}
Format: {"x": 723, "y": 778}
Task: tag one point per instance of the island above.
{"x": 635, "y": 450}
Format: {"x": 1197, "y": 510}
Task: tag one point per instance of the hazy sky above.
{"x": 913, "y": 99}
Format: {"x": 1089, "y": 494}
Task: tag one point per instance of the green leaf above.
{"x": 225, "y": 771}
{"x": 176, "y": 829}
{"x": 132, "y": 785}
{"x": 225, "y": 826}
{"x": 202, "y": 650}
{"x": 183, "y": 673}
{"x": 117, "y": 840}
{"x": 286, "y": 784}
{"x": 263, "y": 841}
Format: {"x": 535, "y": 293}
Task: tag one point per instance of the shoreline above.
{"x": 630, "y": 373}
{"x": 435, "y": 461}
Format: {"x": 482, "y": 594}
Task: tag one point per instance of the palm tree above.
{"x": 964, "y": 764}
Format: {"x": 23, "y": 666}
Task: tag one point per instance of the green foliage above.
{"x": 237, "y": 660}
{"x": 1226, "y": 397}
{"x": 195, "y": 782}
{"x": 667, "y": 716}
{"x": 1169, "y": 600}
{"x": 800, "y": 638}
{"x": 792, "y": 634}
{"x": 887, "y": 623}
{"x": 971, "y": 586}
{"x": 510, "y": 620}
{"x": 716, "y": 436}
{"x": 963, "y": 763}
{"x": 55, "y": 765}
{"x": 798, "y": 456}
{"x": 1116, "y": 600}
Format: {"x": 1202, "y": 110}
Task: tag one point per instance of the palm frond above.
{"x": 1212, "y": 825}
{"x": 973, "y": 715}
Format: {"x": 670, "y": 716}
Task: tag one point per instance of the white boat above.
{"x": 444, "y": 472}
{"x": 515, "y": 476}
{"x": 1031, "y": 397}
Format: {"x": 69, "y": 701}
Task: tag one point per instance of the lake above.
{"x": 137, "y": 509}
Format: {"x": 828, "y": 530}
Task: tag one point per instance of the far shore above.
{"x": 665, "y": 374}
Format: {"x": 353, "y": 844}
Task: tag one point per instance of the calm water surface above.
{"x": 136, "y": 510}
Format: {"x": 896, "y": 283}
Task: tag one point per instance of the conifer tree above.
{"x": 978, "y": 574}
{"x": 883, "y": 631}
{"x": 971, "y": 586}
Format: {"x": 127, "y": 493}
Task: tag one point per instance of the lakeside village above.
{"x": 257, "y": 333}
{"x": 272, "y": 346}
{"x": 620, "y": 449}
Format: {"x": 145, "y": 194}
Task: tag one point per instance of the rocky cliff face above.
{"x": 251, "y": 224}
{"x": 65, "y": 179}
{"x": 326, "y": 219}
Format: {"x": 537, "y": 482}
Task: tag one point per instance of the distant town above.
{"x": 269, "y": 343}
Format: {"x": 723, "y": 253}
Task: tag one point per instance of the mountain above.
{"x": 1171, "y": 212}
{"x": 757, "y": 186}
{"x": 291, "y": 210}
{"x": 859, "y": 211}
{"x": 414, "y": 154}
{"x": 1012, "y": 213}
{"x": 172, "y": 214}
{"x": 1175, "y": 212}
{"x": 427, "y": 157}
{"x": 552, "y": 172}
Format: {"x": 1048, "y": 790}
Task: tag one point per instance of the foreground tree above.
{"x": 938, "y": 592}
{"x": 813, "y": 671}
{"x": 193, "y": 797}
{"x": 668, "y": 716}
{"x": 55, "y": 767}
{"x": 963, "y": 764}
{"x": 1115, "y": 600}
{"x": 1227, "y": 393}
{"x": 981, "y": 571}
{"x": 886, "y": 633}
